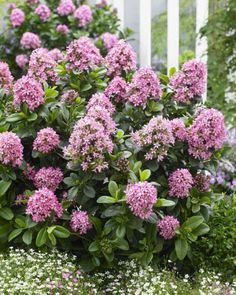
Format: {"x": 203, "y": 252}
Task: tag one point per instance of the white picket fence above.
{"x": 173, "y": 8}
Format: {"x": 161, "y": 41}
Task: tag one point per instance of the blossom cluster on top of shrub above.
{"x": 53, "y": 25}
{"x": 104, "y": 159}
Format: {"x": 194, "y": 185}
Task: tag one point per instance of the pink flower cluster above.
{"x": 82, "y": 55}
{"x": 180, "y": 183}
{"x": 30, "y": 41}
{"x": 202, "y": 182}
{"x": 206, "y": 134}
{"x": 11, "y": 149}
{"x": 155, "y": 137}
{"x": 189, "y": 82}
{"x": 141, "y": 197}
{"x": 120, "y": 58}
{"x": 66, "y": 7}
{"x": 63, "y": 29}
{"x": 42, "y": 204}
{"x": 56, "y": 54}
{"x": 17, "y": 17}
{"x": 88, "y": 145}
{"x": 117, "y": 89}
{"x": 109, "y": 40}
{"x": 178, "y": 128}
{"x": 22, "y": 60}
{"x": 102, "y": 116}
{"x": 30, "y": 172}
{"x": 46, "y": 140}
{"x": 48, "y": 177}
{"x": 80, "y": 222}
{"x": 6, "y": 78}
{"x": 144, "y": 84}
{"x": 69, "y": 96}
{"x": 42, "y": 66}
{"x": 99, "y": 99}
{"x": 167, "y": 226}
{"x": 84, "y": 15}
{"x": 28, "y": 90}
{"x": 43, "y": 11}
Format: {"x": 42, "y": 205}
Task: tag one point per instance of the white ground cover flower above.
{"x": 38, "y": 273}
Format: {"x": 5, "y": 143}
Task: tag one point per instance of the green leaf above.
{"x": 14, "y": 118}
{"x": 193, "y": 222}
{"x": 106, "y": 200}
{"x": 89, "y": 191}
{"x": 4, "y": 186}
{"x": 137, "y": 167}
{"x": 145, "y": 174}
{"x": 41, "y": 237}
{"x": 181, "y": 248}
{"x": 120, "y": 133}
{"x": 164, "y": 203}
{"x": 122, "y": 244}
{"x": 51, "y": 93}
{"x": 112, "y": 187}
{"x": 120, "y": 231}
{"x": 86, "y": 87}
{"x": 15, "y": 233}
{"x": 6, "y": 213}
{"x": 32, "y": 117}
{"x": 202, "y": 229}
{"x": 61, "y": 232}
{"x": 172, "y": 71}
{"x": 94, "y": 246}
{"x": 27, "y": 237}
{"x": 52, "y": 239}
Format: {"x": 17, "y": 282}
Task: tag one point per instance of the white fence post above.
{"x": 145, "y": 32}
{"x": 201, "y": 43}
{"x": 173, "y": 34}
{"x": 120, "y": 6}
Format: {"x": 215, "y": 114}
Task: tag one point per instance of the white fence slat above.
{"x": 145, "y": 32}
{"x": 202, "y": 7}
{"x": 173, "y": 34}
{"x": 120, "y": 6}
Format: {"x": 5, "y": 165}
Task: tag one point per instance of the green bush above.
{"x": 217, "y": 250}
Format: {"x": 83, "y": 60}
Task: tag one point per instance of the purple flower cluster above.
{"x": 56, "y": 54}
{"x": 180, "y": 183}
{"x": 62, "y": 29}
{"x": 22, "y": 60}
{"x": 28, "y": 90}
{"x": 225, "y": 176}
{"x": 120, "y": 58}
{"x": 30, "y": 41}
{"x": 69, "y": 96}
{"x": 141, "y": 197}
{"x": 99, "y": 99}
{"x": 117, "y": 89}
{"x": 30, "y": 172}
{"x": 206, "y": 134}
{"x": 145, "y": 84}
{"x": 43, "y": 11}
{"x": 17, "y": 17}
{"x": 202, "y": 182}
{"x": 155, "y": 137}
{"x": 102, "y": 116}
{"x": 6, "y": 78}
{"x": 48, "y": 178}
{"x": 189, "y": 82}
{"x": 42, "y": 204}
{"x": 42, "y": 66}
{"x": 11, "y": 149}
{"x": 82, "y": 55}
{"x": 84, "y": 15}
{"x": 80, "y": 222}
{"x": 88, "y": 145}
{"x": 109, "y": 40}
{"x": 178, "y": 128}
{"x": 66, "y": 7}
{"x": 46, "y": 140}
{"x": 167, "y": 226}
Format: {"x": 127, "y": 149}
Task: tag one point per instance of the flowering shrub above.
{"x": 100, "y": 173}
{"x": 54, "y": 24}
